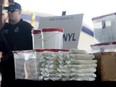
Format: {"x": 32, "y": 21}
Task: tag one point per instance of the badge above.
{"x": 16, "y": 29}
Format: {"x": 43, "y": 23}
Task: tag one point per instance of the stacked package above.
{"x": 55, "y": 65}
{"x": 19, "y": 65}
{"x": 31, "y": 68}
{"x": 72, "y": 65}
{"x": 48, "y": 64}
{"x": 78, "y": 65}
{"x": 25, "y": 64}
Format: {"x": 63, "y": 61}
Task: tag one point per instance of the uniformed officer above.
{"x": 15, "y": 35}
{"x": 17, "y": 31}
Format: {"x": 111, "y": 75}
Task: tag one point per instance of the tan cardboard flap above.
{"x": 108, "y": 66}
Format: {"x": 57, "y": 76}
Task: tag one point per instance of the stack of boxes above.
{"x": 105, "y": 46}
{"x": 104, "y": 33}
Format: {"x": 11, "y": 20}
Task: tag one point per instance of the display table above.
{"x": 31, "y": 83}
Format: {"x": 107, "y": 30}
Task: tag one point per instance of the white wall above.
{"x": 85, "y": 41}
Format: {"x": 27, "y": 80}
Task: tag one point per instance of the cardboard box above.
{"x": 106, "y": 67}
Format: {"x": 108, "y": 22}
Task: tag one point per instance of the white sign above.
{"x": 72, "y": 25}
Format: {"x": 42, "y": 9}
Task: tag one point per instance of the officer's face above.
{"x": 14, "y": 14}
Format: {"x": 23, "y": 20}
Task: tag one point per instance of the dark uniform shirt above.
{"x": 7, "y": 61}
{"x": 19, "y": 35}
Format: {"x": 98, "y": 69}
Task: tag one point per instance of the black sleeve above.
{"x": 7, "y": 67}
{"x": 28, "y": 36}
{"x": 4, "y": 47}
{"x": 7, "y": 61}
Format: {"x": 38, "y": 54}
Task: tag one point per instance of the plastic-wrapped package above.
{"x": 65, "y": 76}
{"x": 52, "y": 62}
{"x": 19, "y": 65}
{"x": 81, "y": 66}
{"x": 50, "y": 70}
{"x": 41, "y": 63}
{"x": 31, "y": 64}
{"x": 25, "y": 63}
{"x": 55, "y": 76}
{"x": 48, "y": 64}
{"x": 86, "y": 79}
{"x": 54, "y": 67}
{"x": 63, "y": 55}
{"x": 64, "y": 70}
{"x": 83, "y": 78}
{"x": 82, "y": 56}
{"x": 78, "y": 51}
{"x": 46, "y": 78}
{"x": 104, "y": 47}
{"x": 83, "y": 74}
{"x": 76, "y": 61}
{"x": 87, "y": 70}
{"x": 31, "y": 69}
